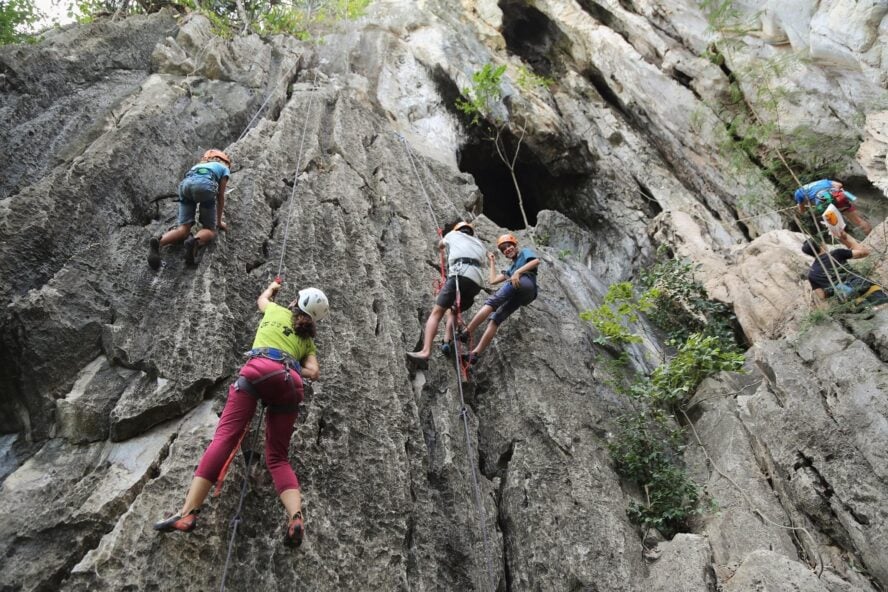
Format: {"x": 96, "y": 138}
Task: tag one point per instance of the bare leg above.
{"x": 859, "y": 221}
{"x": 205, "y": 235}
{"x": 479, "y": 318}
{"x": 176, "y": 235}
{"x": 431, "y": 329}
{"x": 197, "y": 493}
{"x": 487, "y": 337}
{"x": 292, "y": 500}
{"x": 448, "y": 325}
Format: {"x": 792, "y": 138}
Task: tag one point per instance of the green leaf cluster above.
{"x": 298, "y": 18}
{"x": 618, "y": 311}
{"x": 648, "y": 445}
{"x": 672, "y": 383}
{"x": 680, "y": 306}
{"x": 648, "y": 451}
{"x": 479, "y": 100}
{"x": 16, "y": 17}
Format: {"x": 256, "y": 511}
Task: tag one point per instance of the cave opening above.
{"x": 494, "y": 179}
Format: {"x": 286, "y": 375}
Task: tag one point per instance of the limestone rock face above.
{"x": 348, "y": 155}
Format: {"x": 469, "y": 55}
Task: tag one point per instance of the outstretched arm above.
{"x": 858, "y": 251}
{"x": 267, "y": 296}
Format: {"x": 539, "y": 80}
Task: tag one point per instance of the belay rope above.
{"x": 461, "y": 373}
{"x": 236, "y": 519}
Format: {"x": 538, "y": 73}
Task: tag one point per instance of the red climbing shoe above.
{"x": 177, "y": 522}
{"x": 470, "y": 358}
{"x": 295, "y": 530}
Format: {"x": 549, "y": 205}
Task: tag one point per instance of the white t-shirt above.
{"x": 463, "y": 246}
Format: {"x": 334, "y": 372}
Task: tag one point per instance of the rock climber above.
{"x": 520, "y": 290}
{"x": 464, "y": 256}
{"x": 819, "y": 194}
{"x": 203, "y": 187}
{"x": 283, "y": 353}
{"x": 829, "y": 270}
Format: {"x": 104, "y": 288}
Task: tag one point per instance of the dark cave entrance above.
{"x": 493, "y": 178}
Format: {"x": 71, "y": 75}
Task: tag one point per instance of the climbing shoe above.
{"x": 470, "y": 358}
{"x": 416, "y": 357}
{"x": 154, "y": 253}
{"x": 177, "y": 522}
{"x": 447, "y": 349}
{"x": 295, "y": 530}
{"x": 463, "y": 336}
{"x": 191, "y": 246}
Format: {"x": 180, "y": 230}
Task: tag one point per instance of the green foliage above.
{"x": 681, "y": 307}
{"x": 648, "y": 450}
{"x": 648, "y": 444}
{"x": 299, "y": 18}
{"x": 530, "y": 81}
{"x": 16, "y": 17}
{"x": 699, "y": 357}
{"x": 619, "y": 309}
{"x": 484, "y": 93}
{"x": 564, "y": 254}
{"x": 751, "y": 113}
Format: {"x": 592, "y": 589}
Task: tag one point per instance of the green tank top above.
{"x": 276, "y": 330}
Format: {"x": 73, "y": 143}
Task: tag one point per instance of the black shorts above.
{"x": 467, "y": 292}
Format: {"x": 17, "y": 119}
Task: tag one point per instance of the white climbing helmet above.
{"x": 314, "y": 303}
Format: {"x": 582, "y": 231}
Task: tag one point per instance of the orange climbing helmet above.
{"x": 464, "y": 227}
{"x": 506, "y": 238}
{"x": 213, "y": 153}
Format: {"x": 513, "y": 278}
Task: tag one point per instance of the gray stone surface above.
{"x": 110, "y": 374}
{"x": 684, "y": 565}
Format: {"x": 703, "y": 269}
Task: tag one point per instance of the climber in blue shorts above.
{"x": 520, "y": 290}
{"x": 203, "y": 190}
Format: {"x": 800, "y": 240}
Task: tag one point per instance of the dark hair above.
{"x": 810, "y": 248}
{"x": 303, "y": 324}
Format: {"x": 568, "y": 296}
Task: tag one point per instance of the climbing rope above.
{"x": 410, "y": 158}
{"x": 462, "y": 373}
{"x": 461, "y": 370}
{"x": 236, "y": 520}
{"x": 296, "y": 175}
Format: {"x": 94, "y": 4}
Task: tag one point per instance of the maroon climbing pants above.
{"x": 283, "y": 391}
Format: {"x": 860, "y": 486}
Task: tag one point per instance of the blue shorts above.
{"x": 194, "y": 191}
{"x": 508, "y": 299}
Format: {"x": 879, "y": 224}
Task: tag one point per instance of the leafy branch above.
{"x": 484, "y": 102}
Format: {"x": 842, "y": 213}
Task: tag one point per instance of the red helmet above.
{"x": 213, "y": 153}
{"x": 506, "y": 238}
{"x": 460, "y": 225}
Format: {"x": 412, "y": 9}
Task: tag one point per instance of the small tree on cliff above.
{"x": 483, "y": 102}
